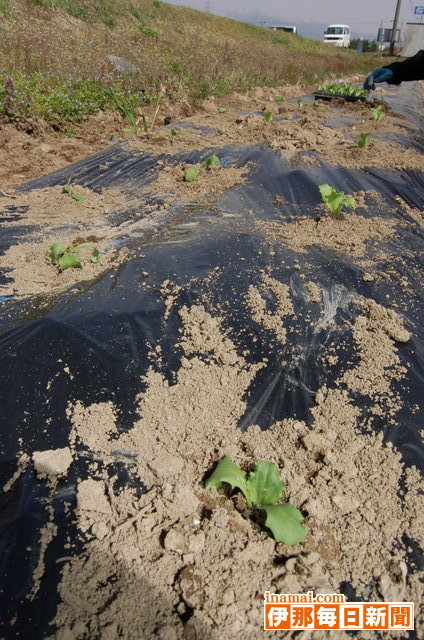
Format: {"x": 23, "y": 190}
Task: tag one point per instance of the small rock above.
{"x": 175, "y": 541}
{"x": 52, "y": 462}
{"x": 100, "y": 530}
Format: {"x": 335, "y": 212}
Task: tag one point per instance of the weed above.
{"x": 78, "y": 197}
{"x": 279, "y": 99}
{"x": 126, "y": 111}
{"x": 336, "y": 200}
{"x": 377, "y": 113}
{"x": 222, "y": 110}
{"x": 65, "y": 257}
{"x": 147, "y": 31}
{"x": 263, "y": 490}
{"x": 134, "y": 11}
{"x": 364, "y": 139}
{"x": 4, "y": 7}
{"x": 267, "y": 116}
{"x": 109, "y": 21}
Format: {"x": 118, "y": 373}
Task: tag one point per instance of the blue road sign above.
{"x": 419, "y": 11}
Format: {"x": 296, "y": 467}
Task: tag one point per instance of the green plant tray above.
{"x": 321, "y": 95}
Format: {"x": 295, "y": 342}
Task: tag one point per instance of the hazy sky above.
{"x": 363, "y": 16}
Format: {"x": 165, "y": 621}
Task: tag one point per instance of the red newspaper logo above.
{"x": 331, "y": 612}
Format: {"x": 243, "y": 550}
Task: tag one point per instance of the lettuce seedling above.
{"x": 191, "y": 174}
{"x": 222, "y": 109}
{"x": 343, "y": 89}
{"x": 65, "y": 257}
{"x": 209, "y": 162}
{"x": 78, "y": 197}
{"x": 267, "y": 116}
{"x": 364, "y": 139}
{"x": 335, "y": 200}
{"x": 263, "y": 490}
{"x": 279, "y": 99}
{"x": 377, "y": 113}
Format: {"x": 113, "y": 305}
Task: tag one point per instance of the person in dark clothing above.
{"x": 397, "y": 72}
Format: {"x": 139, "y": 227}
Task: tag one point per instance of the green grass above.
{"x": 55, "y": 52}
{"x": 61, "y": 103}
{"x": 4, "y": 7}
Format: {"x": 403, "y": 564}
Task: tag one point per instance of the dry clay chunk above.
{"x": 91, "y": 496}
{"x": 52, "y": 462}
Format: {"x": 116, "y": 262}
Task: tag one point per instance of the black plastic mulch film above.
{"x": 103, "y": 330}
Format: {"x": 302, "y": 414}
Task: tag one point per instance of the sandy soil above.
{"x": 180, "y": 562}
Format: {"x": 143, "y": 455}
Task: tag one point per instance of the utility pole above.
{"x": 395, "y": 23}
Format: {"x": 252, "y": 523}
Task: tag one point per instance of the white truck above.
{"x": 338, "y": 34}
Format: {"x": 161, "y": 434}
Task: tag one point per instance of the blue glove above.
{"x": 378, "y": 75}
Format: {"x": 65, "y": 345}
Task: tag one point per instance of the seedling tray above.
{"x": 320, "y": 95}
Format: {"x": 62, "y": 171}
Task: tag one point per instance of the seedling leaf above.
{"x": 343, "y": 89}
{"x": 227, "y": 471}
{"x": 191, "y": 174}
{"x": 262, "y": 488}
{"x": 325, "y": 190}
{"x": 335, "y": 200}
{"x": 364, "y": 139}
{"x": 264, "y": 485}
{"x": 213, "y": 159}
{"x": 78, "y": 197}
{"x": 95, "y": 256}
{"x": 268, "y": 116}
{"x": 349, "y": 202}
{"x": 222, "y": 110}
{"x": 279, "y": 99}
{"x": 377, "y": 113}
{"x": 56, "y": 250}
{"x": 284, "y": 522}
{"x": 68, "y": 261}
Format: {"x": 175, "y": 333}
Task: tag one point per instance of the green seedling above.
{"x": 343, "y": 89}
{"x": 377, "y": 113}
{"x": 364, "y": 140}
{"x": 78, "y": 197}
{"x": 336, "y": 200}
{"x": 174, "y": 132}
{"x": 267, "y": 116}
{"x": 301, "y": 104}
{"x": 316, "y": 104}
{"x": 263, "y": 490}
{"x": 279, "y": 99}
{"x": 222, "y": 109}
{"x": 191, "y": 174}
{"x": 65, "y": 257}
{"x": 212, "y": 160}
